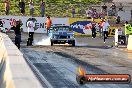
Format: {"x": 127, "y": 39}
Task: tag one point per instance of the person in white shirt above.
{"x": 30, "y": 26}
{"x": 105, "y": 26}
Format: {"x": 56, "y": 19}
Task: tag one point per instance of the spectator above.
{"x": 31, "y": 5}
{"x": 113, "y": 7}
{"x": 120, "y": 7}
{"x": 87, "y": 13}
{"x": 48, "y": 24}
{"x": 118, "y": 20}
{"x": 22, "y": 6}
{"x": 17, "y": 30}
{"x": 101, "y": 27}
{"x": 101, "y": 15}
{"x": 31, "y": 29}
{"x": 95, "y": 14}
{"x": 73, "y": 12}
{"x": 105, "y": 26}
{"x": 7, "y": 7}
{"x": 1, "y": 25}
{"x": 42, "y": 8}
{"x": 97, "y": 27}
{"x": 104, "y": 9}
{"x": 93, "y": 23}
{"x": 127, "y": 30}
{"x": 90, "y": 12}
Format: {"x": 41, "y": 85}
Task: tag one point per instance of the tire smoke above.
{"x": 44, "y": 41}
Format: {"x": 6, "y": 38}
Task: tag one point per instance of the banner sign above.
{"x": 8, "y": 22}
{"x": 78, "y": 25}
{"x": 81, "y": 26}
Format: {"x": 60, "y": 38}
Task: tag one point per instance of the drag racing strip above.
{"x": 58, "y": 70}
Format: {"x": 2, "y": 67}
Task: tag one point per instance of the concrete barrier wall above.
{"x": 14, "y": 71}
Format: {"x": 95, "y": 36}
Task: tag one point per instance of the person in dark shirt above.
{"x": 118, "y": 20}
{"x": 42, "y": 8}
{"x": 73, "y": 12}
{"x": 104, "y": 9}
{"x": 17, "y": 30}
{"x": 1, "y": 23}
{"x": 22, "y": 6}
{"x": 113, "y": 7}
{"x": 93, "y": 23}
{"x": 121, "y": 7}
{"x": 7, "y": 6}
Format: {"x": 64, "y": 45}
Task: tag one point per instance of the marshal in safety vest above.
{"x": 128, "y": 29}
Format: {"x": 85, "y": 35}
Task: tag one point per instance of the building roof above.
{"x": 127, "y": 1}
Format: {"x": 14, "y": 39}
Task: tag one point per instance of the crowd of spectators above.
{"x": 22, "y": 5}
{"x": 92, "y": 12}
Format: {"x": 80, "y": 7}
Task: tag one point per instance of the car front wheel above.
{"x": 73, "y": 43}
{"x": 52, "y": 43}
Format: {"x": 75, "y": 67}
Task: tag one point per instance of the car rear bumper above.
{"x": 62, "y": 41}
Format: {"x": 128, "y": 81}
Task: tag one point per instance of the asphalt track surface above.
{"x": 57, "y": 66}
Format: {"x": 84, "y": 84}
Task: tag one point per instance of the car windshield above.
{"x": 61, "y": 28}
